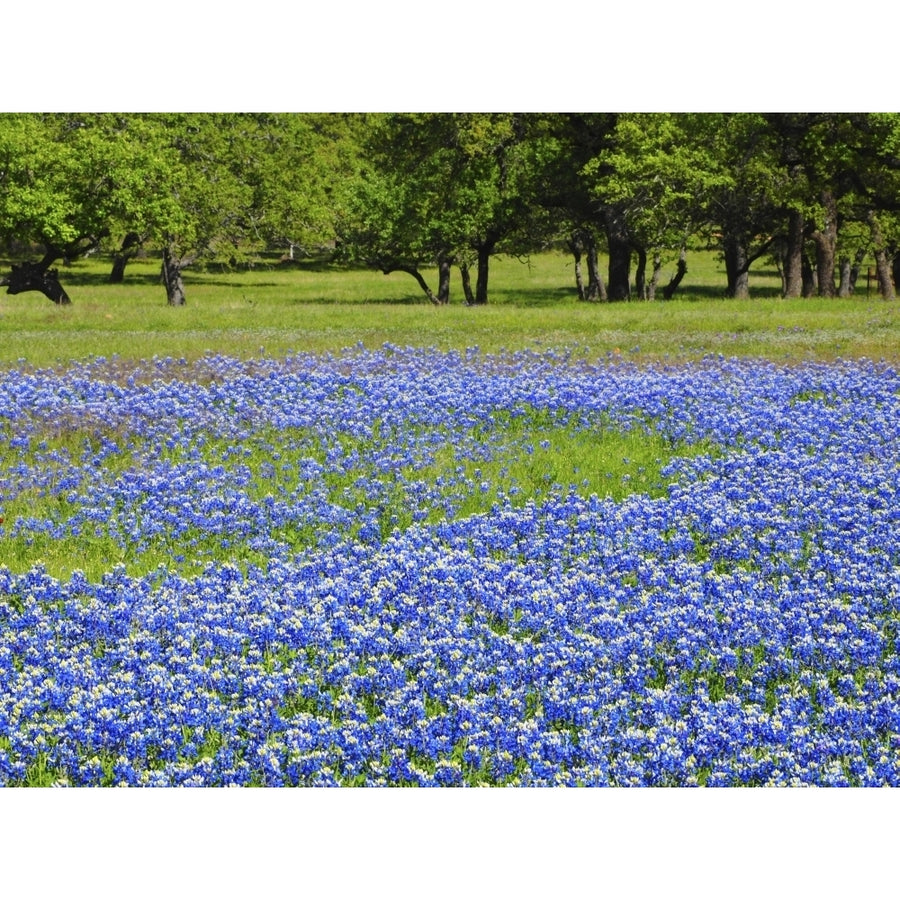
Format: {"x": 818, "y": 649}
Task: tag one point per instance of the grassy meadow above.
{"x": 276, "y": 309}
{"x": 309, "y": 530}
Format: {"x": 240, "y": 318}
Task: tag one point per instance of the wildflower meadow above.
{"x": 403, "y": 566}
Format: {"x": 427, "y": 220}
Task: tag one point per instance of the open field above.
{"x": 278, "y": 310}
{"x": 630, "y": 544}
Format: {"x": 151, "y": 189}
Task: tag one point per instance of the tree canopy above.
{"x": 815, "y": 193}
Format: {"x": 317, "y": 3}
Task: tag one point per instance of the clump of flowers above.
{"x": 325, "y": 571}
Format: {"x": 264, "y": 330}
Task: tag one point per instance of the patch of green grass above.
{"x": 559, "y": 458}
{"x": 41, "y": 774}
{"x": 275, "y": 310}
{"x": 516, "y": 456}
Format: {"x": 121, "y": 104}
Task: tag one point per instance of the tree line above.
{"x": 817, "y": 194}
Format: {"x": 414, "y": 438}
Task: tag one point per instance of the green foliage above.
{"x": 407, "y": 191}
{"x": 393, "y": 215}
{"x": 204, "y": 196}
{"x": 442, "y": 187}
{"x": 540, "y": 453}
{"x": 58, "y": 186}
{"x": 323, "y": 309}
{"x": 202, "y": 186}
{"x": 657, "y": 175}
{"x": 743, "y": 182}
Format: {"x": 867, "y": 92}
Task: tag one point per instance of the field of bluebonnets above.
{"x": 411, "y": 567}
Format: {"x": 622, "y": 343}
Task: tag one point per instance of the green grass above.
{"x": 274, "y": 310}
{"x": 520, "y": 456}
{"x": 316, "y": 308}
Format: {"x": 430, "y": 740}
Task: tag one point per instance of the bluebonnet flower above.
{"x": 739, "y": 629}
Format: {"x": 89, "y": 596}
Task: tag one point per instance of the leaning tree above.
{"x": 57, "y": 188}
{"x": 443, "y": 189}
{"x": 393, "y": 212}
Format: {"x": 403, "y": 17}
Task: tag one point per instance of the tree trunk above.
{"x": 737, "y": 267}
{"x": 171, "y": 277}
{"x": 420, "y": 280}
{"x": 882, "y": 262}
{"x": 485, "y": 251}
{"x": 883, "y": 271}
{"x": 576, "y": 246}
{"x": 858, "y": 258}
{"x": 619, "y": 259}
{"x": 680, "y": 272}
{"x": 825, "y": 239}
{"x": 131, "y": 244}
{"x": 810, "y": 285}
{"x": 31, "y": 276}
{"x": 596, "y": 289}
{"x": 844, "y": 269}
{"x": 849, "y": 269}
{"x": 579, "y": 281}
{"x": 117, "y": 273}
{"x": 824, "y": 264}
{"x": 895, "y": 267}
{"x": 640, "y": 274}
{"x": 654, "y": 278}
{"x": 793, "y": 256}
{"x": 466, "y": 277}
{"x": 443, "y": 294}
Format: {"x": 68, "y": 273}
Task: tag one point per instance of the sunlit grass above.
{"x": 513, "y": 458}
{"x": 276, "y": 310}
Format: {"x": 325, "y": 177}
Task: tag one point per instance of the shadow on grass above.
{"x": 313, "y": 265}
{"x": 276, "y": 274}
{"x": 95, "y": 279}
{"x": 190, "y": 280}
{"x": 533, "y": 297}
{"x": 75, "y": 276}
{"x": 409, "y": 300}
